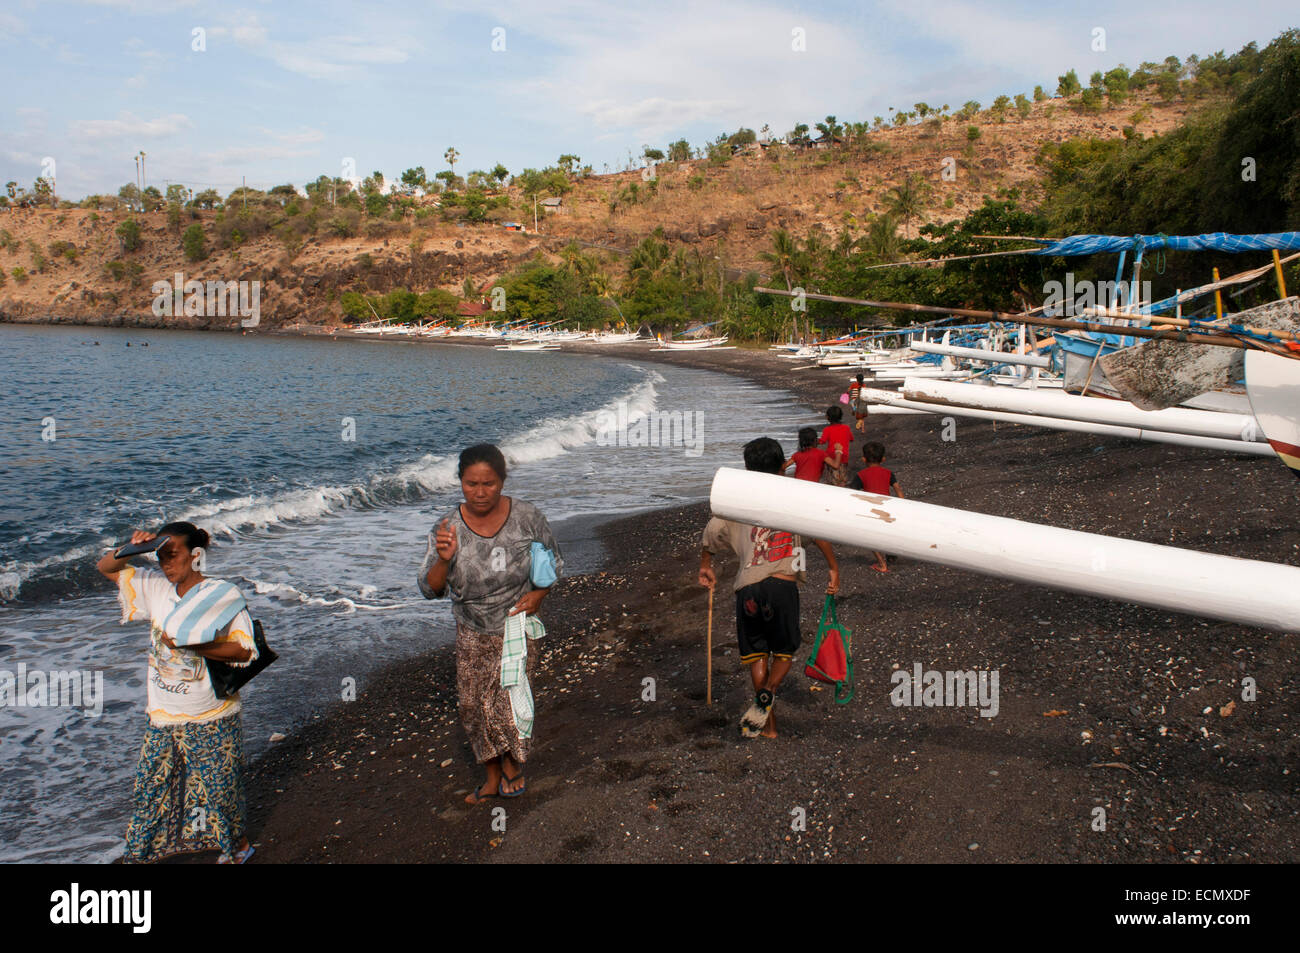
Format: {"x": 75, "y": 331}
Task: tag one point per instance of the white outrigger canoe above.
{"x": 697, "y": 345}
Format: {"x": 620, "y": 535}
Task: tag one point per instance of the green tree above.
{"x": 783, "y": 256}
{"x": 1068, "y": 85}
{"x": 679, "y": 151}
{"x": 128, "y": 234}
{"x": 1116, "y": 83}
{"x": 192, "y": 241}
{"x": 909, "y": 199}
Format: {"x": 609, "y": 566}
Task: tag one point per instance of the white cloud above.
{"x": 129, "y": 125}
{"x": 334, "y": 57}
{"x": 10, "y": 26}
{"x": 647, "y": 71}
{"x": 296, "y": 137}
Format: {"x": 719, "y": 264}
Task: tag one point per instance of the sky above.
{"x": 217, "y": 92}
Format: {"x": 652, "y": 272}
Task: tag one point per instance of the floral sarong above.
{"x": 485, "y": 708}
{"x": 189, "y": 790}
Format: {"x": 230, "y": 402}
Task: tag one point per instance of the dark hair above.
{"x": 834, "y": 414}
{"x": 807, "y": 437}
{"x": 764, "y": 455}
{"x": 859, "y": 378}
{"x": 482, "y": 453}
{"x": 873, "y": 452}
{"x": 194, "y": 537}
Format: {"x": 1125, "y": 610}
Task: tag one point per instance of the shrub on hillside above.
{"x": 344, "y": 224}
{"x": 129, "y": 235}
{"x": 192, "y": 242}
{"x": 38, "y": 257}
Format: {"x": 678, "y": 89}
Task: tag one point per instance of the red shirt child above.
{"x": 808, "y": 464}
{"x": 837, "y": 437}
{"x": 876, "y": 479}
{"x": 809, "y": 460}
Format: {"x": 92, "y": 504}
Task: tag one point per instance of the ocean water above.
{"x": 318, "y": 467}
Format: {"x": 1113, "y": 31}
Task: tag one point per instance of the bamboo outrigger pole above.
{"x": 1244, "y": 591}
{"x": 1188, "y": 336}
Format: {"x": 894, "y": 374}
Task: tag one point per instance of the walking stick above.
{"x": 708, "y": 661}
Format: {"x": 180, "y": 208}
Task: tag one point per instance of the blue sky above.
{"x": 286, "y": 91}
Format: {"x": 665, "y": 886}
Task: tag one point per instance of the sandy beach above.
{"x": 1101, "y": 704}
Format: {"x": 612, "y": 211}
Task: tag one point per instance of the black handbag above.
{"x": 228, "y": 679}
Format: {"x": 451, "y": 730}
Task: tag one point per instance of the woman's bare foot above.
{"x": 769, "y": 730}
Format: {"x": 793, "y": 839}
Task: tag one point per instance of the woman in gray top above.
{"x": 481, "y": 551}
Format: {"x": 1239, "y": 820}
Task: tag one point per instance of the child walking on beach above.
{"x": 837, "y": 437}
{"x": 858, "y": 403}
{"x": 874, "y": 478}
{"x": 771, "y": 566}
{"x": 809, "y": 460}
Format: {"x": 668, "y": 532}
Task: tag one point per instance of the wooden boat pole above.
{"x": 1159, "y": 321}
{"x": 1120, "y": 413}
{"x": 1188, "y": 336}
{"x": 708, "y": 655}
{"x": 1218, "y": 297}
{"x": 1277, "y": 267}
{"x": 1243, "y": 591}
{"x": 902, "y": 405}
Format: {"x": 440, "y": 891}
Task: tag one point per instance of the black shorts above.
{"x": 767, "y": 619}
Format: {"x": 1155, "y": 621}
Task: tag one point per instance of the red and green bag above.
{"x": 831, "y": 660}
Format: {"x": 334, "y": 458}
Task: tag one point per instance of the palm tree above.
{"x": 451, "y": 155}
{"x": 784, "y": 254}
{"x": 909, "y": 200}
{"x": 882, "y": 239}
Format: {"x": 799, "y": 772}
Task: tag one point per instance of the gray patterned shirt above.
{"x": 489, "y": 574}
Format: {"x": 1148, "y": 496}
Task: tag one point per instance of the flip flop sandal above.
{"x": 879, "y": 569}
{"x": 241, "y": 856}
{"x": 501, "y": 788}
{"x": 480, "y": 798}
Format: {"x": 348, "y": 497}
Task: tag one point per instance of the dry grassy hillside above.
{"x": 730, "y": 211}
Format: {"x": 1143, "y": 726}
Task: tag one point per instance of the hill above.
{"x": 69, "y": 264}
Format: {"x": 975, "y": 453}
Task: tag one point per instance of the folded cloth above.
{"x": 203, "y": 611}
{"x": 542, "y": 568}
{"x": 519, "y": 630}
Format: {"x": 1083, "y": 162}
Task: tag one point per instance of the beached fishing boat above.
{"x": 696, "y": 345}
{"x": 528, "y": 346}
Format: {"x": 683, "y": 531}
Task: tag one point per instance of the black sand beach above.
{"x": 1101, "y": 704}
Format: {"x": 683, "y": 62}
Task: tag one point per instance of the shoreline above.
{"x": 1102, "y": 704}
